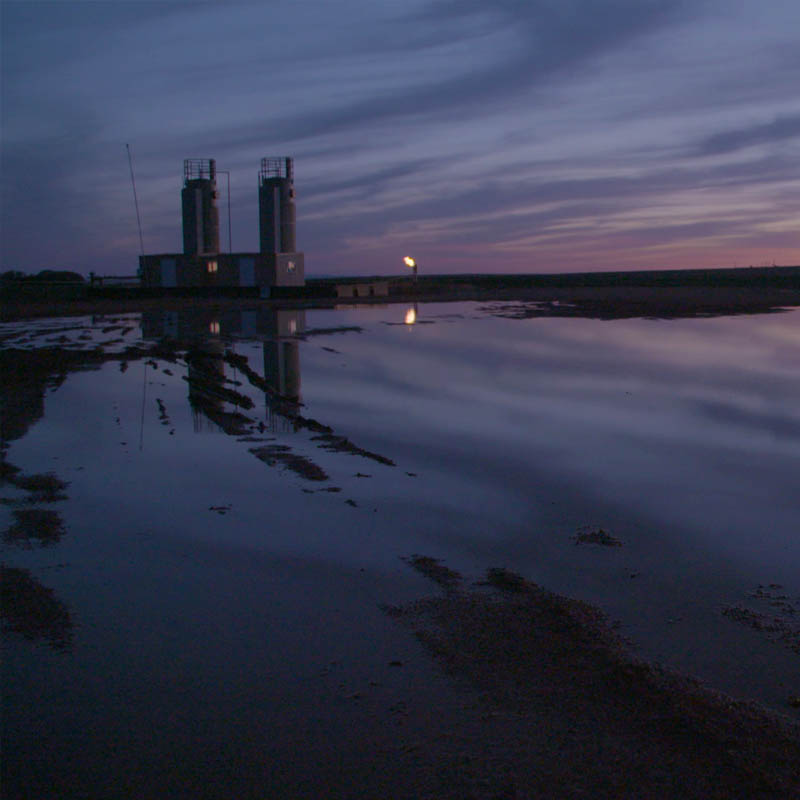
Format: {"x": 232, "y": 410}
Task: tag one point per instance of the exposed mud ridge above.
{"x": 32, "y": 610}
{"x": 231, "y": 422}
{"x": 341, "y": 444}
{"x": 34, "y": 527}
{"x": 307, "y": 423}
{"x": 629, "y": 303}
{"x": 435, "y": 570}
{"x": 205, "y": 378}
{"x": 505, "y": 579}
{"x": 166, "y": 348}
{"x": 30, "y": 371}
{"x": 328, "y": 331}
{"x": 778, "y": 616}
{"x": 326, "y": 438}
{"x": 25, "y": 374}
{"x": 283, "y": 455}
{"x": 42, "y": 488}
{"x": 562, "y": 709}
{"x": 205, "y": 384}
{"x": 8, "y": 470}
{"x": 240, "y": 362}
{"x": 162, "y": 412}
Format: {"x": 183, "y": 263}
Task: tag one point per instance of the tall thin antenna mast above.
{"x": 135, "y": 199}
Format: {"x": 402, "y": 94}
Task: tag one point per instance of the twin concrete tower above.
{"x": 202, "y": 264}
{"x": 276, "y": 209}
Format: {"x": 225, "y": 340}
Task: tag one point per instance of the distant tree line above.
{"x": 45, "y": 276}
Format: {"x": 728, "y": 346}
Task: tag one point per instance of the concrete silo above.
{"x": 199, "y": 204}
{"x": 276, "y": 209}
{"x": 202, "y": 265}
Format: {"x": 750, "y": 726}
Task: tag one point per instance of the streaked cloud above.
{"x": 517, "y": 135}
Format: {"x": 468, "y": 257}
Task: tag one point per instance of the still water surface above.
{"x": 239, "y": 500}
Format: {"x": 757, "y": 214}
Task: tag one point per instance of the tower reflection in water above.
{"x": 282, "y": 368}
{"x": 217, "y": 372}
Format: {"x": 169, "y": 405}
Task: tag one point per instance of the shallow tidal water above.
{"x": 235, "y": 493}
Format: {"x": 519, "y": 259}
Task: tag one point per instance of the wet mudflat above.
{"x": 204, "y": 519}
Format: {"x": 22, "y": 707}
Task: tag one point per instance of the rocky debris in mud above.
{"x": 590, "y": 535}
{"x": 779, "y": 619}
{"x": 563, "y": 709}
{"x": 34, "y": 527}
{"x": 31, "y": 610}
{"x": 352, "y": 503}
{"x": 283, "y": 455}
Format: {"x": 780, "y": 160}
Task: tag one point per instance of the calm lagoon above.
{"x": 242, "y": 486}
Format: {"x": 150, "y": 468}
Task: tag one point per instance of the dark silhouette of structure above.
{"x": 199, "y": 205}
{"x": 276, "y": 210}
{"x": 202, "y": 264}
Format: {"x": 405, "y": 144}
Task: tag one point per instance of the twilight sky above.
{"x": 505, "y": 136}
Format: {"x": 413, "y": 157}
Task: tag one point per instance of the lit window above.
{"x": 212, "y": 266}
{"x": 290, "y": 266}
{"x": 292, "y": 326}
{"x": 213, "y": 327}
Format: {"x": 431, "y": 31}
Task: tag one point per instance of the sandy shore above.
{"x": 564, "y": 710}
